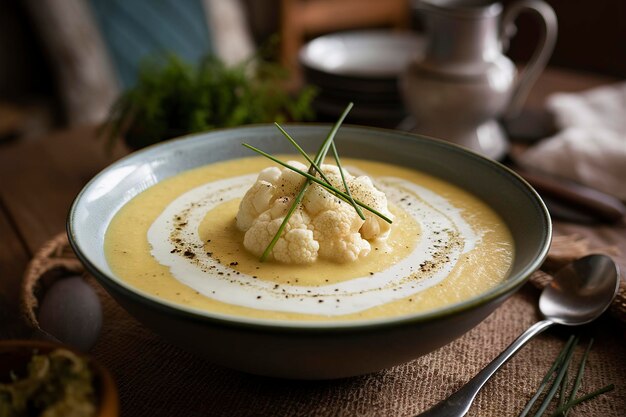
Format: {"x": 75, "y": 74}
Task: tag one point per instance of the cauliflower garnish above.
{"x": 321, "y": 226}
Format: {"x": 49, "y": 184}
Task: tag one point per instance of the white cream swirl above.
{"x": 445, "y": 237}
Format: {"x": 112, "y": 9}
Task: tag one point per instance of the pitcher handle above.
{"x": 542, "y": 53}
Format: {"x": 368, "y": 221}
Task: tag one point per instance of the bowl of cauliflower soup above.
{"x": 439, "y": 238}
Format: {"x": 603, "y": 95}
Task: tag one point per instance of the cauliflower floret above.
{"x": 256, "y": 201}
{"x": 317, "y": 199}
{"x": 296, "y": 245}
{"x": 270, "y": 175}
{"x": 363, "y": 189}
{"x": 322, "y": 226}
{"x": 289, "y": 183}
{"x": 337, "y": 229}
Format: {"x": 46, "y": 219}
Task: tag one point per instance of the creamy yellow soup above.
{"x": 178, "y": 240}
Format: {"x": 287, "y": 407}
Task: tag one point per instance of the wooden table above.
{"x": 39, "y": 180}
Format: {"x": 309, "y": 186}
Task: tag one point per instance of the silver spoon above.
{"x": 579, "y": 293}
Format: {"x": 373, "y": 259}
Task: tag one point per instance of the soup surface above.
{"x": 178, "y": 241}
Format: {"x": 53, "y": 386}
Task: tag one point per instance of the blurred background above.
{"x": 63, "y": 63}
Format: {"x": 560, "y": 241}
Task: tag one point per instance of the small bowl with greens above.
{"x": 45, "y": 379}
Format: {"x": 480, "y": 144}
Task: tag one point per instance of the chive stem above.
{"x": 547, "y": 377}
{"x": 345, "y": 184}
{"x": 319, "y": 158}
{"x": 318, "y": 181}
{"x": 302, "y": 152}
{"x": 562, "y": 391}
{"x": 331, "y": 134}
{"x": 557, "y": 379}
{"x": 319, "y": 170}
{"x": 282, "y": 226}
{"x": 579, "y": 376}
{"x": 584, "y": 398}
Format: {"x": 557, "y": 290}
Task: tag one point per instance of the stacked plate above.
{"x": 363, "y": 67}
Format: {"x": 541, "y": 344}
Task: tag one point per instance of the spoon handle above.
{"x": 457, "y": 404}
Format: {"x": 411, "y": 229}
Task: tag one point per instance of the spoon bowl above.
{"x": 579, "y": 293}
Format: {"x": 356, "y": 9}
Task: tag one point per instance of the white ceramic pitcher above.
{"x": 464, "y": 83}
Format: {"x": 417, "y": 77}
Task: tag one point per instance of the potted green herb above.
{"x": 173, "y": 98}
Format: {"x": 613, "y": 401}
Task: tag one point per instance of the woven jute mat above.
{"x": 156, "y": 378}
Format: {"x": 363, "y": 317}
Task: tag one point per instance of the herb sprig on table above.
{"x": 557, "y": 379}
{"x": 311, "y": 178}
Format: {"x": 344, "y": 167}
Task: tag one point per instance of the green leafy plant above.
{"x": 173, "y": 98}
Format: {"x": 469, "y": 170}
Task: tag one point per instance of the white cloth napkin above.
{"x": 590, "y": 148}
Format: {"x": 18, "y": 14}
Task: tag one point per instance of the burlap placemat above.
{"x": 157, "y": 379}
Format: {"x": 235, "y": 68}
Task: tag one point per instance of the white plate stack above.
{"x": 363, "y": 67}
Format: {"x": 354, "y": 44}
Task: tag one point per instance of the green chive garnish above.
{"x": 319, "y": 158}
{"x": 345, "y": 184}
{"x": 314, "y": 179}
{"x": 302, "y": 152}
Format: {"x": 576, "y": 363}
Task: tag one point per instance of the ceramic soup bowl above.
{"x": 296, "y": 349}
